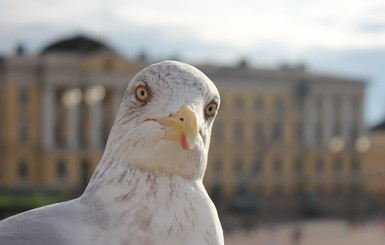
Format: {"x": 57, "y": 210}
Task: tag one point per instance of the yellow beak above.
{"x": 181, "y": 127}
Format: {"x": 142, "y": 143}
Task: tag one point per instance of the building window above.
{"x": 277, "y": 130}
{"x": 217, "y": 172}
{"x": 319, "y": 133}
{"x": 338, "y": 168}
{"x": 319, "y": 107}
{"x": 108, "y": 114}
{"x": 356, "y": 103}
{"x": 277, "y": 176}
{"x": 355, "y": 131}
{"x": 298, "y": 168}
{"x": 23, "y": 129}
{"x": 218, "y": 131}
{"x": 238, "y": 172}
{"x": 279, "y": 107}
{"x": 356, "y": 166}
{"x": 259, "y": 103}
{"x": 257, "y": 168}
{"x": 337, "y": 109}
{"x": 259, "y": 132}
{"x": 59, "y": 132}
{"x": 319, "y": 168}
{"x": 84, "y": 125}
{"x": 84, "y": 174}
{"x": 337, "y": 102}
{"x": 277, "y": 168}
{"x": 238, "y": 131}
{"x": 23, "y": 96}
{"x": 216, "y": 192}
{"x": 337, "y": 128}
{"x": 23, "y": 171}
{"x": 239, "y": 104}
{"x": 299, "y": 131}
{"x": 61, "y": 170}
{"x": 238, "y": 167}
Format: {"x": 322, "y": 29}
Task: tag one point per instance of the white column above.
{"x": 48, "y": 118}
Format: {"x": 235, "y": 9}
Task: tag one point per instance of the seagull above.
{"x": 147, "y": 188}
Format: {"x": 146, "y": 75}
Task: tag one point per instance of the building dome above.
{"x": 77, "y": 44}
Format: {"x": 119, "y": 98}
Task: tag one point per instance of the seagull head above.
{"x": 164, "y": 121}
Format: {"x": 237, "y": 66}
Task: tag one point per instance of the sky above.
{"x": 339, "y": 37}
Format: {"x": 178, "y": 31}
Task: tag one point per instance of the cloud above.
{"x": 295, "y": 24}
{"x": 372, "y": 27}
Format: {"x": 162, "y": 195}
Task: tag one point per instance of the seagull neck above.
{"x": 114, "y": 177}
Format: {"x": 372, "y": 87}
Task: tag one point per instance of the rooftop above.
{"x": 77, "y": 44}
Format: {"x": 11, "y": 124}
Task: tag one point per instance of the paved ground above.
{"x": 326, "y": 232}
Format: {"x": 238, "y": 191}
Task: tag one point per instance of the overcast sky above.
{"x": 345, "y": 37}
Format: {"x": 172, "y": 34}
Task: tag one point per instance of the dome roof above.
{"x": 76, "y": 44}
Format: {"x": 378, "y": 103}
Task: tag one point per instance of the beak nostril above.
{"x": 181, "y": 119}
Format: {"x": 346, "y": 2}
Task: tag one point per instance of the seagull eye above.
{"x": 141, "y": 93}
{"x": 211, "y": 109}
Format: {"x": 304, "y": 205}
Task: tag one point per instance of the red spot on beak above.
{"x": 183, "y": 141}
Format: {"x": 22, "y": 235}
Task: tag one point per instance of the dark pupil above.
{"x": 142, "y": 92}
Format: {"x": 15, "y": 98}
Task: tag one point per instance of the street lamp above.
{"x": 363, "y": 144}
{"x": 336, "y": 144}
{"x": 94, "y": 94}
{"x": 72, "y": 97}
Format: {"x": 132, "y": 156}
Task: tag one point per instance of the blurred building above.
{"x": 374, "y": 170}
{"x": 285, "y": 140}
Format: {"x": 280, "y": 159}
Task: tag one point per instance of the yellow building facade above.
{"x": 279, "y": 134}
{"x": 20, "y": 116}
